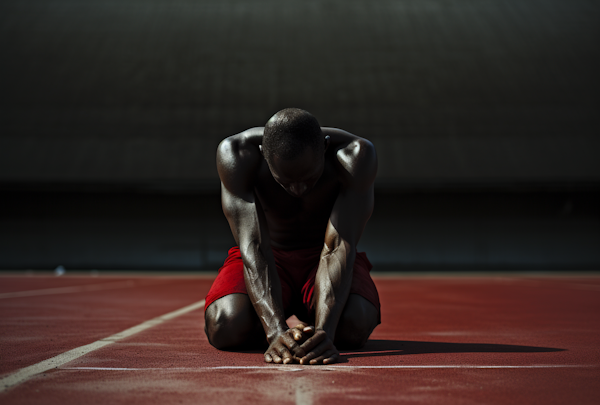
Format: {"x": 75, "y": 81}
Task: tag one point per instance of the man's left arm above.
{"x": 352, "y": 210}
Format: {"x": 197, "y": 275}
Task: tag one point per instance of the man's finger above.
{"x": 289, "y": 341}
{"x": 276, "y": 359}
{"x": 301, "y": 326}
{"x": 268, "y": 358}
{"x": 313, "y": 342}
{"x": 286, "y": 355}
{"x": 325, "y": 356}
{"x": 332, "y": 359}
{"x": 305, "y": 328}
{"x": 313, "y": 354}
{"x": 324, "y": 345}
{"x": 292, "y": 345}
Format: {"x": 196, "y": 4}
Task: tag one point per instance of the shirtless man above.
{"x": 297, "y": 198}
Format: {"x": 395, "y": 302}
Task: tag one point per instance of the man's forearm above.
{"x": 264, "y": 290}
{"x": 332, "y": 286}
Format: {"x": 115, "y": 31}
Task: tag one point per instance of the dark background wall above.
{"x": 485, "y": 115}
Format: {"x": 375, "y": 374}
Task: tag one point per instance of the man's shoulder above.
{"x": 354, "y": 157}
{"x": 240, "y": 149}
{"x": 238, "y": 156}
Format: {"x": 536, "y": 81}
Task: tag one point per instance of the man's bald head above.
{"x": 289, "y": 132}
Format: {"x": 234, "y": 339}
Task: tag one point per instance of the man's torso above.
{"x": 296, "y": 223}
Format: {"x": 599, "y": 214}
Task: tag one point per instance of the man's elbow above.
{"x": 341, "y": 249}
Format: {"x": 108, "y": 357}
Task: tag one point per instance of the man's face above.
{"x": 298, "y": 176}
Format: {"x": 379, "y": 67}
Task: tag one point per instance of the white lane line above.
{"x": 68, "y": 290}
{"x": 303, "y": 393}
{"x": 334, "y": 367}
{"x": 57, "y": 361}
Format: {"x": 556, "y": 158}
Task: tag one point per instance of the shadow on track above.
{"x": 401, "y": 348}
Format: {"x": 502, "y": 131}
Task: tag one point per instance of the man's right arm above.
{"x": 238, "y": 162}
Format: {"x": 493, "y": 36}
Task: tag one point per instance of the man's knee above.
{"x": 357, "y": 321}
{"x": 230, "y": 322}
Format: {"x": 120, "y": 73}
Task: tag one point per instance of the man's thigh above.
{"x": 356, "y": 323}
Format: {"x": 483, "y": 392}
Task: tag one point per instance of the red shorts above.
{"x": 297, "y": 270}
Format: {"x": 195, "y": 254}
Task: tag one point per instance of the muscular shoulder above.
{"x": 239, "y": 157}
{"x": 355, "y": 158}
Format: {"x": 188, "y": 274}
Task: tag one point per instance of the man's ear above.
{"x": 327, "y": 142}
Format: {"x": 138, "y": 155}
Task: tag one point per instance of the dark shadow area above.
{"x": 380, "y": 348}
{"x": 375, "y": 348}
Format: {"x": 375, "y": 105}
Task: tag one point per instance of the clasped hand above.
{"x": 302, "y": 344}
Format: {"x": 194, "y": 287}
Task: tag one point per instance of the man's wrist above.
{"x": 327, "y": 331}
{"x": 276, "y": 332}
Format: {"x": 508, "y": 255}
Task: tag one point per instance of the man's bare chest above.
{"x": 315, "y": 206}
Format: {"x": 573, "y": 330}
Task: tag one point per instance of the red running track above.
{"x": 443, "y": 340}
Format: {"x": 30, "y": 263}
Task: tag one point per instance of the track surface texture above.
{"x": 451, "y": 339}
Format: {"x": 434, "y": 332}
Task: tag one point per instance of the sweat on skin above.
{"x": 287, "y": 188}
